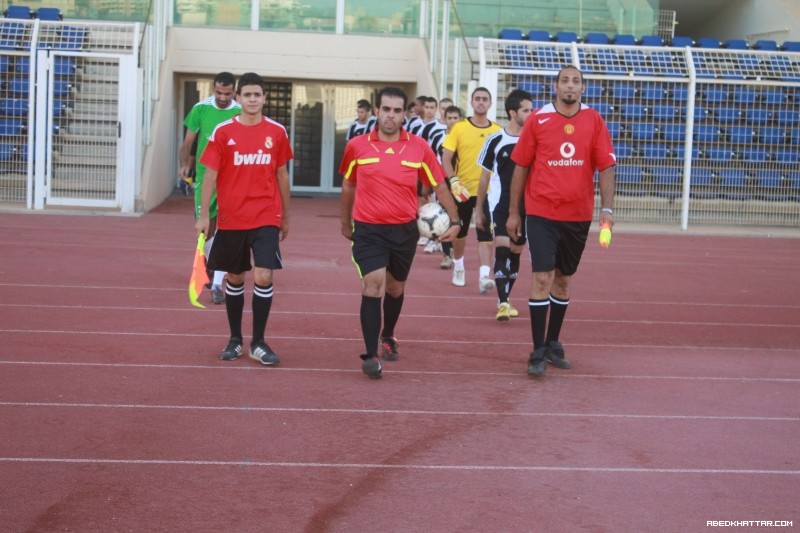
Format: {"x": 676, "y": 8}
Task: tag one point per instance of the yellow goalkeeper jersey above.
{"x": 466, "y": 141}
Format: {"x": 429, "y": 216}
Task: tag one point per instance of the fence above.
{"x": 69, "y": 113}
{"x": 701, "y": 135}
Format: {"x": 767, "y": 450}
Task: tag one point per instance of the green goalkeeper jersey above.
{"x": 202, "y": 119}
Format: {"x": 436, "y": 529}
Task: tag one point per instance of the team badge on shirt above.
{"x": 569, "y": 129}
{"x": 268, "y": 142}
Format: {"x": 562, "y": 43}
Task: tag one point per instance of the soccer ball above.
{"x": 433, "y": 220}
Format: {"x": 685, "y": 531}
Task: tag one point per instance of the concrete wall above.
{"x": 275, "y": 55}
{"x": 778, "y": 20}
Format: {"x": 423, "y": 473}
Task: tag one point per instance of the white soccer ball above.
{"x": 432, "y": 220}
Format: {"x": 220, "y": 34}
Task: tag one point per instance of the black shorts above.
{"x": 465, "y": 210}
{"x": 556, "y": 244}
{"x": 389, "y": 246}
{"x": 498, "y": 218}
{"x": 231, "y": 249}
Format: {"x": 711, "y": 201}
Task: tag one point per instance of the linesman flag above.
{"x": 199, "y": 275}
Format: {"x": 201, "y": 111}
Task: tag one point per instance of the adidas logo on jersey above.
{"x": 259, "y": 158}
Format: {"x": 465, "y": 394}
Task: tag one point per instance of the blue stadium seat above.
{"x": 628, "y": 179}
{"x": 765, "y": 44}
{"x": 744, "y": 96}
{"x": 681, "y": 41}
{"x": 5, "y": 64}
{"x": 733, "y": 183}
{"x": 18, "y": 86}
{"x": 675, "y": 132}
{"x": 49, "y": 13}
{"x": 667, "y": 175}
{"x": 680, "y": 93}
{"x": 61, "y": 88}
{"x": 7, "y": 151}
{"x": 702, "y": 183}
{"x": 772, "y": 185}
{"x": 772, "y": 135}
{"x": 615, "y": 129}
{"x": 11, "y": 127}
{"x": 538, "y": 35}
{"x": 14, "y": 107}
{"x": 715, "y": 94}
{"x": 547, "y": 58}
{"x": 18, "y": 12}
{"x": 566, "y": 37}
{"x": 741, "y": 135}
{"x": 727, "y": 115}
{"x": 517, "y": 56}
{"x": 643, "y": 131}
{"x": 773, "y": 96}
{"x": 532, "y": 86}
{"x": 11, "y": 35}
{"x": 708, "y": 42}
{"x": 652, "y": 93}
{"x": 679, "y": 150}
{"x": 622, "y": 90}
{"x": 715, "y": 153}
{"x": 753, "y": 155}
{"x": 623, "y": 150}
{"x": 664, "y": 112}
{"x": 655, "y": 151}
{"x": 701, "y": 114}
{"x": 757, "y": 116}
{"x": 633, "y": 111}
{"x": 596, "y": 38}
{"x": 625, "y": 39}
{"x": 651, "y": 40}
{"x": 593, "y": 91}
{"x": 736, "y": 44}
{"x": 72, "y": 38}
{"x": 787, "y": 117}
{"x": 64, "y": 66}
{"x": 791, "y": 46}
{"x": 22, "y": 65}
{"x": 605, "y": 110}
{"x": 510, "y": 33}
{"x": 786, "y": 156}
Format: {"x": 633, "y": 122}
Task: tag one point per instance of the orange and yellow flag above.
{"x": 199, "y": 275}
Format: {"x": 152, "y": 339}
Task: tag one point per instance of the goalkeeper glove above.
{"x": 460, "y": 193}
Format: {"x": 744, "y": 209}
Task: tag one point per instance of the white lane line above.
{"x": 383, "y": 466}
{"x": 477, "y": 373}
{"x": 404, "y": 412}
{"x": 408, "y": 295}
{"x": 482, "y": 318}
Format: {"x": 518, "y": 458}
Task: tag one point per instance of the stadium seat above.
{"x": 787, "y": 117}
{"x": 665, "y": 64}
{"x": 664, "y": 112}
{"x": 596, "y": 38}
{"x": 12, "y": 35}
{"x": 652, "y": 93}
{"x": 615, "y": 129}
{"x": 643, "y": 131}
{"x": 702, "y": 183}
{"x": 7, "y": 151}
{"x": 667, "y": 175}
{"x": 716, "y": 153}
{"x": 757, "y": 116}
{"x": 765, "y": 44}
{"x": 679, "y": 150}
{"x": 633, "y": 111}
{"x": 18, "y": 86}
{"x": 674, "y": 132}
{"x": 592, "y": 92}
{"x": 753, "y": 155}
{"x": 72, "y": 38}
{"x": 736, "y": 44}
{"x": 773, "y": 96}
{"x": 727, "y": 115}
{"x": 547, "y": 58}
{"x": 49, "y": 13}
{"x": 14, "y": 107}
{"x": 517, "y": 56}
{"x": 786, "y": 156}
{"x": 628, "y": 179}
{"x": 651, "y": 40}
{"x": 715, "y": 94}
{"x": 744, "y": 96}
{"x": 622, "y": 90}
{"x": 791, "y": 46}
{"x": 708, "y": 42}
{"x": 22, "y": 65}
{"x": 61, "y": 88}
{"x": 64, "y": 66}
{"x": 510, "y": 33}
{"x": 701, "y": 114}
{"x": 625, "y": 39}
{"x": 623, "y": 150}
{"x": 606, "y": 110}
{"x": 680, "y": 93}
{"x": 5, "y": 64}
{"x": 772, "y": 135}
{"x": 18, "y": 12}
{"x": 706, "y": 134}
{"x": 733, "y": 183}
{"x": 566, "y": 37}
{"x": 681, "y": 41}
{"x": 654, "y": 151}
{"x": 741, "y": 135}
{"x": 772, "y": 185}
{"x": 538, "y": 35}
{"x": 11, "y": 127}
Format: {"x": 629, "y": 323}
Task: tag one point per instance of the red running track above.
{"x": 683, "y": 405}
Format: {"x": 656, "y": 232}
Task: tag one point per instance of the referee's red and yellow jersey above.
{"x": 562, "y": 154}
{"x": 386, "y": 175}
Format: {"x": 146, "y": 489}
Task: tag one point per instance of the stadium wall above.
{"x": 757, "y": 19}
{"x": 274, "y": 55}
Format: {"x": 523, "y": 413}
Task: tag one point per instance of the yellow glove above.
{"x": 460, "y": 193}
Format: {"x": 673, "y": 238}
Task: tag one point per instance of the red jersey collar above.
{"x": 404, "y": 135}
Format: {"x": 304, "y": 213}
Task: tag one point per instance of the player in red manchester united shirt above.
{"x": 559, "y": 149}
{"x": 379, "y": 214}
{"x": 246, "y": 161}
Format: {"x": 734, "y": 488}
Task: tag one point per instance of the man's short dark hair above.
{"x": 514, "y": 100}
{"x": 453, "y": 109}
{"x": 479, "y": 90}
{"x": 392, "y": 91}
{"x": 421, "y": 99}
{"x": 226, "y": 79}
{"x": 566, "y": 67}
{"x": 429, "y": 99}
{"x": 446, "y": 100}
{"x": 250, "y": 78}
{"x": 364, "y": 104}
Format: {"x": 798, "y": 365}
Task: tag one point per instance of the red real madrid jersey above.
{"x": 562, "y": 154}
{"x": 386, "y": 175}
{"x": 247, "y": 158}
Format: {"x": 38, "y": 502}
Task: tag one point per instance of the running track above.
{"x": 683, "y": 405}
